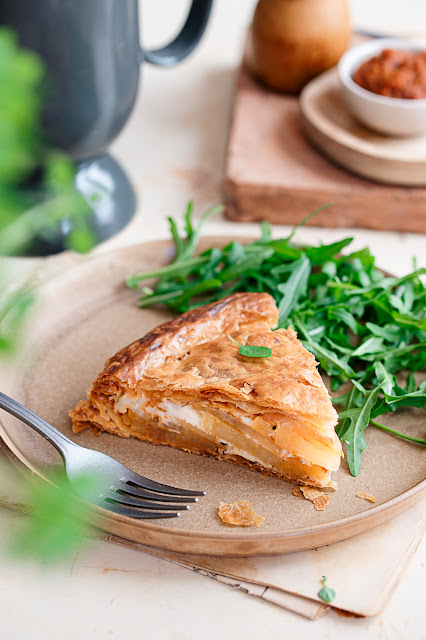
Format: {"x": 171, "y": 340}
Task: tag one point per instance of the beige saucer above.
{"x": 331, "y": 128}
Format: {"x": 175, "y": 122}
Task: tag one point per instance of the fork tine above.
{"x": 145, "y": 483}
{"x": 137, "y": 513}
{"x": 116, "y": 498}
{"x": 140, "y": 493}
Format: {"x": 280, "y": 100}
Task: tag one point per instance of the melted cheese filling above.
{"x": 306, "y": 457}
{"x": 167, "y": 410}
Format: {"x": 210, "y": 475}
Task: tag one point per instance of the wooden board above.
{"x": 273, "y": 173}
{"x": 87, "y": 315}
{"x": 333, "y": 130}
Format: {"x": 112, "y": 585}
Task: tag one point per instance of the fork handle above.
{"x": 52, "y": 435}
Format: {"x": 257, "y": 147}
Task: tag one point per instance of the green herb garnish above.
{"x": 326, "y": 593}
{"x": 251, "y": 350}
{"x": 364, "y": 327}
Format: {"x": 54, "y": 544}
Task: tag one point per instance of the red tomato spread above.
{"x": 394, "y": 73}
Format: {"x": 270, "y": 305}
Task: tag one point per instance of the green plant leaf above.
{"x": 326, "y": 593}
{"x": 54, "y": 527}
{"x": 359, "y": 418}
{"x": 294, "y": 288}
{"x": 252, "y": 351}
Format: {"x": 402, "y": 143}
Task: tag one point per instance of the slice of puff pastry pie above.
{"x": 185, "y": 385}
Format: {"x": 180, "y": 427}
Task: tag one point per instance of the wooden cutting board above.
{"x": 274, "y": 173}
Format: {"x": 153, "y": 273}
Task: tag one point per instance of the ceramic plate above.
{"x": 86, "y": 315}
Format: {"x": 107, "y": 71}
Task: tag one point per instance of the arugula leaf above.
{"x": 359, "y": 418}
{"x": 386, "y": 379}
{"x": 193, "y": 235}
{"x": 398, "y": 433}
{"x": 330, "y": 362}
{"x": 307, "y": 218}
{"x": 265, "y": 230}
{"x": 318, "y": 255}
{"x": 173, "y": 270}
{"x": 388, "y": 332}
{"x": 294, "y": 288}
{"x": 409, "y": 321}
{"x": 346, "y": 317}
{"x": 368, "y": 346}
{"x": 348, "y": 401}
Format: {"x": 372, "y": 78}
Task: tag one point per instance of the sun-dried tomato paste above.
{"x": 394, "y": 73}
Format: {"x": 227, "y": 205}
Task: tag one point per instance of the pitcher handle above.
{"x": 186, "y": 41}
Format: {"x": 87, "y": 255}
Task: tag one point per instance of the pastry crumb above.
{"x": 319, "y": 499}
{"x": 296, "y": 491}
{"x": 366, "y": 496}
{"x": 240, "y": 514}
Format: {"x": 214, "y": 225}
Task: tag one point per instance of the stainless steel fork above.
{"x": 121, "y": 490}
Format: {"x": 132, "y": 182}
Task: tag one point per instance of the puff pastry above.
{"x": 185, "y": 385}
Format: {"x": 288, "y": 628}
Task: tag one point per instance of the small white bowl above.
{"x": 391, "y": 116}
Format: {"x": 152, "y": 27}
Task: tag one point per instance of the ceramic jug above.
{"x": 92, "y": 53}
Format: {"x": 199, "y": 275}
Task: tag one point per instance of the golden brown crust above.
{"x": 191, "y": 328}
{"x": 193, "y": 354}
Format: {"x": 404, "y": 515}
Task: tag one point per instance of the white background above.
{"x": 174, "y": 149}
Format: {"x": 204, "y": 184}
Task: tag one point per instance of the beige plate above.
{"x": 330, "y": 126}
{"x": 86, "y": 315}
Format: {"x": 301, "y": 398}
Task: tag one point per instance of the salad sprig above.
{"x": 367, "y": 329}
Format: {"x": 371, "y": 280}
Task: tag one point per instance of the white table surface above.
{"x": 174, "y": 149}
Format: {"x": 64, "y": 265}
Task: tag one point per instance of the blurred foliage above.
{"x": 38, "y": 197}
{"x": 55, "y": 527}
{"x": 14, "y": 307}
{"x": 37, "y": 191}
{"x": 38, "y": 201}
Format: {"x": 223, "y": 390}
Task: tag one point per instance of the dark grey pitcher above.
{"x": 92, "y": 52}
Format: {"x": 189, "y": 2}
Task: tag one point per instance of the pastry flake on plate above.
{"x": 184, "y": 384}
{"x": 239, "y": 514}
